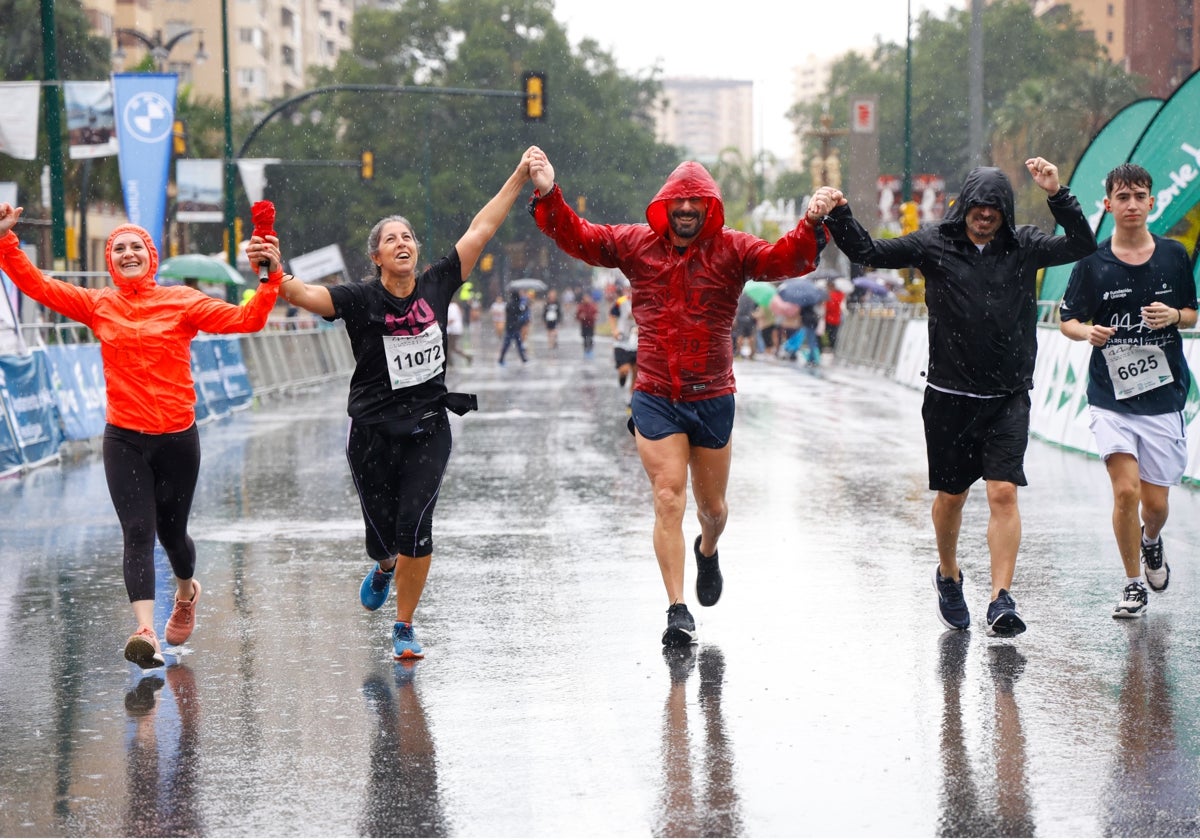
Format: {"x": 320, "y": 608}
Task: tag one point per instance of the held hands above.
{"x": 1045, "y": 174}
{"x": 540, "y": 170}
{"x": 526, "y": 158}
{"x": 822, "y": 203}
{"x": 264, "y": 250}
{"x": 9, "y": 216}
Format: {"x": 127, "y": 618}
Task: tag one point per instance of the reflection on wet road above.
{"x": 825, "y": 697}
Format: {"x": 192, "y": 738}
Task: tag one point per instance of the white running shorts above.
{"x": 1157, "y": 441}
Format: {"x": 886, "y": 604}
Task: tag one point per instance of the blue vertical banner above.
{"x": 144, "y": 105}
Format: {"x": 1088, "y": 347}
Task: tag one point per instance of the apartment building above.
{"x": 272, "y": 43}
{"x": 705, "y": 116}
{"x": 1156, "y": 39}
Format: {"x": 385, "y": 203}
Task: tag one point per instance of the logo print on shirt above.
{"x": 414, "y": 322}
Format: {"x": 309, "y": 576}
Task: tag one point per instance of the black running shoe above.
{"x": 1158, "y": 572}
{"x": 681, "y": 627}
{"x": 1003, "y": 618}
{"x": 708, "y": 577}
{"x": 952, "y": 607}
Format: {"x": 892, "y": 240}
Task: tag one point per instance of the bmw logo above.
{"x": 148, "y": 117}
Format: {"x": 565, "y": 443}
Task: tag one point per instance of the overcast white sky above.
{"x": 758, "y": 40}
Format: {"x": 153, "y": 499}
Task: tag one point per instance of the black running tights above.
{"x": 152, "y": 479}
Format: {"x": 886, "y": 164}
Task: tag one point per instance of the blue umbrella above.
{"x": 802, "y": 292}
{"x": 870, "y": 284}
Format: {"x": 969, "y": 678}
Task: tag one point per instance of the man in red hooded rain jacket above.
{"x": 686, "y": 272}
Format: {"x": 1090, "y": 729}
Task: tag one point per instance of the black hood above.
{"x": 984, "y": 186}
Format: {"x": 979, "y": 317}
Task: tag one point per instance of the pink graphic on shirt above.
{"x": 414, "y": 322}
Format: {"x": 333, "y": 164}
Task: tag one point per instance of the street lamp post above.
{"x": 160, "y": 50}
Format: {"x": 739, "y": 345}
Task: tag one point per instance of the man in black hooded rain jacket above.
{"x": 980, "y": 273}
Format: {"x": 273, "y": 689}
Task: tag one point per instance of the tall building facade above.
{"x": 272, "y": 43}
{"x": 1156, "y": 39}
{"x": 707, "y": 116}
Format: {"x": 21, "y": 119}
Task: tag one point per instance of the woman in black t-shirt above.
{"x": 399, "y": 440}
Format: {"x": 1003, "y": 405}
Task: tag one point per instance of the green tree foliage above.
{"x": 440, "y": 157}
{"x": 1046, "y": 90}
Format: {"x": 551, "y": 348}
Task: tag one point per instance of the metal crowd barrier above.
{"x": 296, "y": 356}
{"x": 288, "y": 353}
{"x": 871, "y": 334}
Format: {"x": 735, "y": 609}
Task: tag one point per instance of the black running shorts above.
{"x": 968, "y": 438}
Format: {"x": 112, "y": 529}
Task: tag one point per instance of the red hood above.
{"x": 689, "y": 180}
{"x": 136, "y": 283}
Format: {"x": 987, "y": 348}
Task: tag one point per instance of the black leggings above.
{"x": 152, "y": 479}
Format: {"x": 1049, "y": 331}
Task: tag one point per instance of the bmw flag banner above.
{"x": 144, "y": 105}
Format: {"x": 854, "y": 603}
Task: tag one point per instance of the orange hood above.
{"x": 132, "y": 283}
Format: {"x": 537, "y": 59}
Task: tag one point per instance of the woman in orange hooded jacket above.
{"x": 151, "y": 446}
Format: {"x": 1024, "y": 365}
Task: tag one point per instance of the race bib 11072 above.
{"x": 413, "y": 359}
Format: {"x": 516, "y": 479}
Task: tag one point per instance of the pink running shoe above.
{"x": 183, "y": 618}
{"x": 143, "y": 649}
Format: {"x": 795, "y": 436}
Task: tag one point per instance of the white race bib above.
{"x": 1136, "y": 368}
{"x": 413, "y": 359}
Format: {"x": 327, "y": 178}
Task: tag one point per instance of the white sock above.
{"x": 1137, "y": 579}
{"x": 1151, "y": 542}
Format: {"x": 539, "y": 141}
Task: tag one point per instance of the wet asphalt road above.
{"x": 825, "y": 697}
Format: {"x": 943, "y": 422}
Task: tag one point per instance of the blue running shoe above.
{"x": 375, "y": 586}
{"x": 952, "y": 607}
{"x": 1002, "y": 617}
{"x": 404, "y": 640}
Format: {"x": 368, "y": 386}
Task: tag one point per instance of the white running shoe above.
{"x": 1135, "y": 600}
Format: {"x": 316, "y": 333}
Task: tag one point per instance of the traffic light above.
{"x": 366, "y": 165}
{"x": 179, "y": 139}
{"x": 534, "y": 103}
{"x": 909, "y": 218}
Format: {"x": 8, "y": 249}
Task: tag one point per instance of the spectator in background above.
{"x": 586, "y": 313}
{"x": 551, "y": 313}
{"x": 516, "y": 316}
{"x": 497, "y": 311}
{"x": 833, "y": 315}
{"x": 454, "y": 333}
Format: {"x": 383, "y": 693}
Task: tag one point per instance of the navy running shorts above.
{"x": 968, "y": 438}
{"x": 707, "y": 423}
